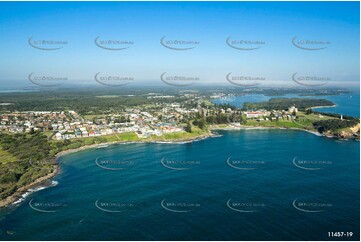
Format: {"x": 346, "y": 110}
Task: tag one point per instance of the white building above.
{"x": 292, "y": 109}
{"x": 58, "y": 136}
{"x": 256, "y": 114}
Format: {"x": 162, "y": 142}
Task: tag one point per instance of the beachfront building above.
{"x": 292, "y": 109}
{"x": 256, "y": 114}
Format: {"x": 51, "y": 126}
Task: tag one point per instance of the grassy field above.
{"x": 91, "y": 116}
{"x": 181, "y": 135}
{"x": 130, "y": 136}
{"x": 61, "y": 145}
{"x": 303, "y": 121}
{"x": 279, "y": 124}
{"x": 6, "y": 157}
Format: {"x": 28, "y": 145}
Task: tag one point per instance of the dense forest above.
{"x": 285, "y": 103}
{"x": 33, "y": 160}
{"x": 334, "y": 124}
{"x": 84, "y": 102}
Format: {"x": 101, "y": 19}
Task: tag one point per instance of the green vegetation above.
{"x": 334, "y": 125}
{"x": 27, "y": 158}
{"x": 91, "y": 101}
{"x": 334, "y": 115}
{"x": 188, "y": 128}
{"x": 196, "y": 132}
{"x": 58, "y": 146}
{"x": 201, "y": 123}
{"x": 309, "y": 121}
{"x": 285, "y": 103}
{"x": 6, "y": 156}
{"x": 26, "y": 145}
{"x": 278, "y": 124}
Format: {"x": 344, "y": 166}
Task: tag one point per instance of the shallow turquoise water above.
{"x": 277, "y": 185}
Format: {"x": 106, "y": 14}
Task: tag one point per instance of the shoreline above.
{"x": 175, "y": 141}
{"x": 14, "y": 197}
{"x": 178, "y": 141}
{"x": 231, "y": 127}
{"x": 22, "y": 190}
{"x": 8, "y": 201}
{"x": 332, "y": 106}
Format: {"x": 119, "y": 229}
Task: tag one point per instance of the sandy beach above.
{"x": 332, "y": 106}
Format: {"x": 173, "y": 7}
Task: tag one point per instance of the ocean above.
{"x": 244, "y": 185}
{"x": 251, "y": 184}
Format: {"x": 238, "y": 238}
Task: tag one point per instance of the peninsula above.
{"x": 31, "y": 141}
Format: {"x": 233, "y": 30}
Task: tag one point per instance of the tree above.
{"x": 202, "y": 123}
{"x": 211, "y": 119}
{"x": 188, "y": 127}
{"x": 308, "y": 111}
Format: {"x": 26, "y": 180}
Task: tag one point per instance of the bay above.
{"x": 245, "y": 185}
{"x": 346, "y": 103}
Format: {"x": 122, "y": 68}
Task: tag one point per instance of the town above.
{"x": 157, "y": 119}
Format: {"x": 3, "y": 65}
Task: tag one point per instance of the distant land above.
{"x": 36, "y": 127}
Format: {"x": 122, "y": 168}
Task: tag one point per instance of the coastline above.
{"x": 331, "y": 106}
{"x": 175, "y": 141}
{"x": 20, "y": 191}
{"x": 14, "y": 197}
{"x": 231, "y": 127}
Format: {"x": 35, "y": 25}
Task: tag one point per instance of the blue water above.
{"x": 346, "y": 104}
{"x": 260, "y": 182}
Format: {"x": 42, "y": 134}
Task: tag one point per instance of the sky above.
{"x": 273, "y": 25}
